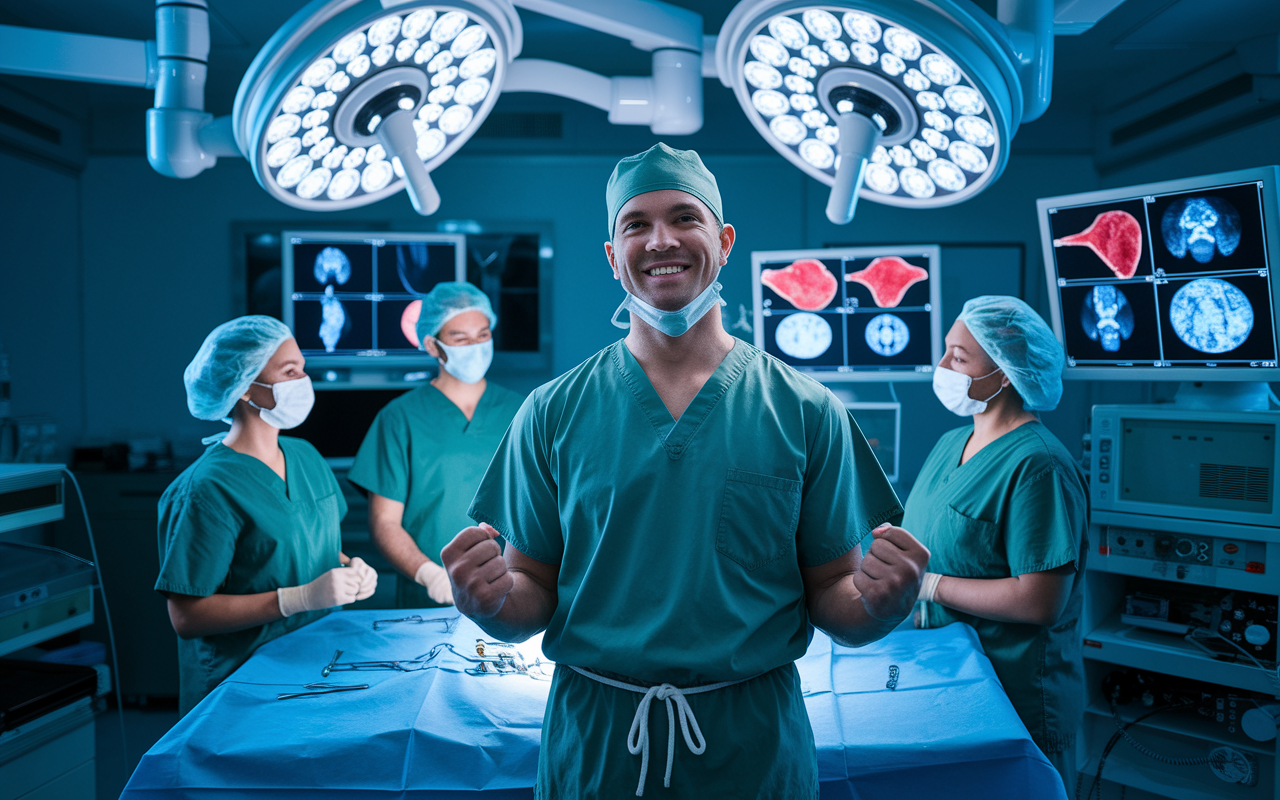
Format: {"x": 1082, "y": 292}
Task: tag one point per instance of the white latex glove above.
{"x": 368, "y": 577}
{"x": 929, "y": 586}
{"x": 436, "y": 579}
{"x": 336, "y": 587}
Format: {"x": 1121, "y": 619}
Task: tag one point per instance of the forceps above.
{"x": 448, "y": 623}
{"x": 323, "y": 688}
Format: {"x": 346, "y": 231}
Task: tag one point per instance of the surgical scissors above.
{"x": 323, "y": 688}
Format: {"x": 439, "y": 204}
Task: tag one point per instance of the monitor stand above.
{"x": 1223, "y": 396}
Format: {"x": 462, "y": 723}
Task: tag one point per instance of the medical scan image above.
{"x": 1115, "y": 237}
{"x": 409, "y": 322}
{"x": 1211, "y": 315}
{"x": 806, "y": 284}
{"x": 803, "y": 335}
{"x": 333, "y": 320}
{"x": 332, "y": 265}
{"x": 1107, "y": 317}
{"x": 887, "y": 335}
{"x": 888, "y": 278}
{"x": 1201, "y": 226}
{"x": 420, "y": 266}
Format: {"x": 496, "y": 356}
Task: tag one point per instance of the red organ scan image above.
{"x": 1115, "y": 236}
{"x": 888, "y": 278}
{"x": 409, "y": 322}
{"x": 806, "y": 284}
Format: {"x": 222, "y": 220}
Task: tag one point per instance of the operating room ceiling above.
{"x": 1138, "y": 47}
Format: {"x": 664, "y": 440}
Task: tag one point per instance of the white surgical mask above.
{"x": 672, "y": 323}
{"x": 468, "y": 362}
{"x": 952, "y": 388}
{"x": 294, "y": 400}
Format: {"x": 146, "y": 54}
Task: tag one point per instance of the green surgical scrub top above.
{"x": 423, "y": 452}
{"x": 1017, "y": 506}
{"x": 229, "y": 525}
{"x": 680, "y": 543}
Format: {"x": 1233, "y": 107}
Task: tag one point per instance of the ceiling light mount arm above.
{"x": 183, "y": 139}
{"x": 669, "y": 101}
{"x": 1029, "y": 25}
{"x": 77, "y": 57}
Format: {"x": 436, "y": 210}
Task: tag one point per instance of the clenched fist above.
{"x": 891, "y": 572}
{"x": 478, "y": 572}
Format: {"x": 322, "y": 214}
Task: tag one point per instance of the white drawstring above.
{"x": 638, "y": 737}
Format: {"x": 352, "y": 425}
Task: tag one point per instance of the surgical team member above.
{"x": 424, "y": 456}
{"x": 678, "y": 509}
{"x": 1001, "y": 505}
{"x": 249, "y": 546}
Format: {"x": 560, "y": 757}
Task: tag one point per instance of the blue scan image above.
{"x": 803, "y": 335}
{"x": 1211, "y": 315}
{"x": 1198, "y": 224}
{"x": 333, "y": 320}
{"x": 887, "y": 335}
{"x": 1107, "y": 317}
{"x": 412, "y": 262}
{"x": 332, "y": 263}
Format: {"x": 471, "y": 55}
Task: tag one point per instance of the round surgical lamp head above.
{"x": 353, "y": 100}
{"x": 906, "y": 103}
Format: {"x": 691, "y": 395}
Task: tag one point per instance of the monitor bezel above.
{"x": 932, "y": 252}
{"x": 290, "y": 238}
{"x": 1268, "y": 176}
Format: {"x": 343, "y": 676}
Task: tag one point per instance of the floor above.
{"x": 142, "y": 729}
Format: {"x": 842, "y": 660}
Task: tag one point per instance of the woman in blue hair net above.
{"x": 1001, "y": 505}
{"x": 249, "y": 541}
{"x": 425, "y": 454}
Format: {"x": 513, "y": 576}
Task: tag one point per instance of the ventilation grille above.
{"x": 1228, "y": 482}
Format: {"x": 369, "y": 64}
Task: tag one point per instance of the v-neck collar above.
{"x": 441, "y": 397}
{"x": 1003, "y": 440}
{"x": 674, "y": 434}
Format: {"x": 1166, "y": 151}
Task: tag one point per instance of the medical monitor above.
{"x": 850, "y": 313}
{"x": 352, "y": 299}
{"x": 1167, "y": 281}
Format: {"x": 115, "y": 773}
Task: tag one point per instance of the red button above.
{"x": 1255, "y": 566}
{"x": 1230, "y": 549}
{"x": 1104, "y": 550}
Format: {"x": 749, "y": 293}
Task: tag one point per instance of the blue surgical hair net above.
{"x": 1021, "y": 344}
{"x": 446, "y": 301}
{"x": 232, "y": 355}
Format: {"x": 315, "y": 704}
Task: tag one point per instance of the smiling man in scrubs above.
{"x": 1002, "y": 506}
{"x": 678, "y": 509}
{"x": 423, "y": 457}
{"x": 249, "y": 539}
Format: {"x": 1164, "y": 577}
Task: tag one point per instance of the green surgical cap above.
{"x": 661, "y": 167}
{"x": 446, "y": 301}
{"x": 232, "y": 355}
{"x": 1021, "y": 344}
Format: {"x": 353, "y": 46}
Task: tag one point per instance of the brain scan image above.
{"x": 1199, "y": 226}
{"x": 1211, "y": 315}
{"x": 803, "y": 335}
{"x": 1107, "y": 317}
{"x": 888, "y": 278}
{"x": 806, "y": 283}
{"x": 333, "y": 320}
{"x": 887, "y": 335}
{"x": 1115, "y": 237}
{"x": 332, "y": 265}
{"x": 409, "y": 322}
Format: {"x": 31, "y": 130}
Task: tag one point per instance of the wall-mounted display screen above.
{"x": 853, "y": 313}
{"x": 1163, "y": 277}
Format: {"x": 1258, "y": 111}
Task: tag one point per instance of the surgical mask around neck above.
{"x": 467, "y": 362}
{"x": 672, "y": 323}
{"x": 294, "y": 400}
{"x": 952, "y": 389}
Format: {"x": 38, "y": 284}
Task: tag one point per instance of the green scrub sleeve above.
{"x": 382, "y": 462}
{"x": 845, "y": 493}
{"x": 518, "y": 495}
{"x": 1044, "y": 523}
{"x": 198, "y": 545}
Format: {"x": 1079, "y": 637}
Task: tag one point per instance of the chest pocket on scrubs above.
{"x": 970, "y": 547}
{"x": 758, "y": 519}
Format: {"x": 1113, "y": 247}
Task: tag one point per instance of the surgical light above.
{"x": 366, "y": 79}
{"x": 871, "y": 91}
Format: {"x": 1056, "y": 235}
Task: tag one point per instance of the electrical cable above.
{"x": 893, "y": 393}
{"x": 1273, "y": 675}
{"x": 1115, "y": 739}
{"x": 106, "y": 612}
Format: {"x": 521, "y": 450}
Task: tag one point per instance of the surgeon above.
{"x": 678, "y": 509}
{"x": 249, "y": 544}
{"x": 1001, "y": 505}
{"x": 424, "y": 456}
